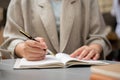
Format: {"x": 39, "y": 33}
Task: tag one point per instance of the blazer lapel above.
{"x": 48, "y": 18}
{"x": 67, "y": 18}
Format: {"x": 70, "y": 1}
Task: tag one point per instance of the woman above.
{"x": 74, "y": 27}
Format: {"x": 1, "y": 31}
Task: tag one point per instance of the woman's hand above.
{"x": 32, "y": 50}
{"x": 88, "y": 52}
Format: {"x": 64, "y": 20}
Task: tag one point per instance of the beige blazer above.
{"x": 80, "y": 24}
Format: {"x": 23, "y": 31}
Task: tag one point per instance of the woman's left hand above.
{"x": 88, "y": 52}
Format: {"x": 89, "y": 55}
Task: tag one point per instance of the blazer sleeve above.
{"x": 14, "y": 22}
{"x": 98, "y": 31}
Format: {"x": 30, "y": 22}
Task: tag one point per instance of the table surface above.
{"x": 74, "y": 73}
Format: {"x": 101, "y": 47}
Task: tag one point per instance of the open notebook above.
{"x": 59, "y": 60}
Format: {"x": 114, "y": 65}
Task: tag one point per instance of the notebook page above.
{"x": 66, "y": 58}
{"x": 48, "y": 61}
{"x": 63, "y": 57}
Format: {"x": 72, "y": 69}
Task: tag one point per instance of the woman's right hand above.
{"x": 32, "y": 50}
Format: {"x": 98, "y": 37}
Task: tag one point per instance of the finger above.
{"x": 42, "y": 42}
{"x": 39, "y": 56}
{"x": 90, "y": 55}
{"x": 36, "y": 58}
{"x": 97, "y": 56}
{"x": 34, "y": 44}
{"x": 36, "y": 51}
{"x": 77, "y": 52}
{"x": 30, "y": 54}
{"x": 83, "y": 54}
{"x": 40, "y": 39}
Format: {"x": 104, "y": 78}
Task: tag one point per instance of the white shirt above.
{"x": 56, "y": 5}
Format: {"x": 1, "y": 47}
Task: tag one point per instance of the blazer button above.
{"x": 73, "y": 2}
{"x": 41, "y": 6}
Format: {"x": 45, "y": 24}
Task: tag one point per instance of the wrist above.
{"x": 19, "y": 49}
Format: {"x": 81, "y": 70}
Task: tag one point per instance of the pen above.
{"x": 30, "y": 37}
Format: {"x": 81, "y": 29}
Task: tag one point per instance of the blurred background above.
{"x": 105, "y": 8}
